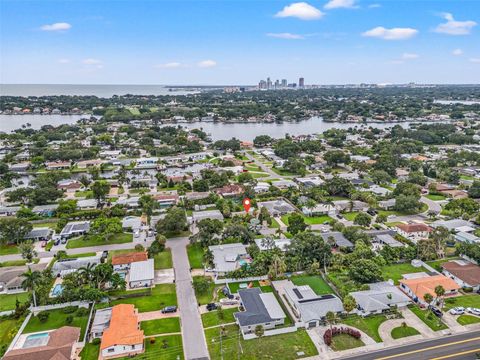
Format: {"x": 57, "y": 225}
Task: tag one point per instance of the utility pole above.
{"x": 239, "y": 346}
{"x": 221, "y": 347}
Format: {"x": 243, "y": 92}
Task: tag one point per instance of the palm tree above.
{"x": 31, "y": 280}
{"x": 440, "y": 291}
{"x": 331, "y": 318}
{"x": 87, "y": 272}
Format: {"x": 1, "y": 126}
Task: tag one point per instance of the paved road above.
{"x": 194, "y": 344}
{"x": 457, "y": 347}
{"x": 433, "y": 206}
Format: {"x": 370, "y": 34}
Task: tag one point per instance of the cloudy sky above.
{"x": 239, "y": 42}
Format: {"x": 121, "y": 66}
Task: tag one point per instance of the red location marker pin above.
{"x": 246, "y": 204}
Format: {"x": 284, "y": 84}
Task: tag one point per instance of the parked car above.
{"x": 212, "y": 306}
{"x": 136, "y": 233}
{"x": 227, "y": 301}
{"x": 64, "y": 241}
{"x": 371, "y": 212}
{"x": 43, "y": 244}
{"x": 474, "y": 311}
{"x": 457, "y": 310}
{"x": 437, "y": 312}
{"x": 169, "y": 309}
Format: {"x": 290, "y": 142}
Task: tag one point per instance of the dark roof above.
{"x": 255, "y": 311}
{"x": 340, "y": 240}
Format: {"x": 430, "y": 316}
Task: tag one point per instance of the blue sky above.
{"x": 239, "y": 42}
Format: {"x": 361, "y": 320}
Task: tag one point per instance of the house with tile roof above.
{"x": 124, "y": 261}
{"x": 414, "y": 232}
{"x": 463, "y": 272}
{"x": 123, "y": 336}
{"x": 416, "y": 288}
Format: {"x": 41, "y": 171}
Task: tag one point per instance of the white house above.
{"x": 141, "y": 274}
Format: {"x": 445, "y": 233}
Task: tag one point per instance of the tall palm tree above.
{"x": 87, "y": 272}
{"x": 32, "y": 278}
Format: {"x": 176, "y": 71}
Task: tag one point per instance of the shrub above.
{"x": 43, "y": 316}
{"x": 69, "y": 309}
{"x": 96, "y": 341}
{"x": 329, "y": 334}
{"x": 69, "y": 319}
{"x": 467, "y": 289}
{"x": 82, "y": 312}
{"x": 139, "y": 247}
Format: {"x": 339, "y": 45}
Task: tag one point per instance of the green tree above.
{"x": 296, "y": 224}
{"x": 30, "y": 282}
{"x": 13, "y": 231}
{"x": 27, "y": 250}
{"x": 365, "y": 271}
{"x": 349, "y": 303}
{"x": 259, "y": 331}
{"x": 174, "y": 221}
{"x": 100, "y": 189}
{"x": 363, "y": 219}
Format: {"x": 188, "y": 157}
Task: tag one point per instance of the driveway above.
{"x": 194, "y": 344}
{"x": 433, "y": 206}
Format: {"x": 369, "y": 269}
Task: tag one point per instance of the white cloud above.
{"x": 457, "y": 52}
{"x": 300, "y": 10}
{"x": 169, "y": 65}
{"x": 410, "y": 56}
{"x": 63, "y": 61}
{"x": 335, "y": 4}
{"x": 287, "y": 36}
{"x": 475, "y": 60}
{"x": 454, "y": 27}
{"x": 391, "y": 34}
{"x": 61, "y": 26}
{"x": 93, "y": 63}
{"x": 207, "y": 64}
{"x": 374, "y": 6}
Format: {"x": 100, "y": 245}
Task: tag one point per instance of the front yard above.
{"x": 8, "y": 301}
{"x": 98, "y": 241}
{"x": 428, "y": 318}
{"x": 9, "y": 249}
{"x": 465, "y": 301}
{"x": 161, "y": 326}
{"x": 195, "y": 255}
{"x": 161, "y": 295}
{"x": 468, "y": 319}
{"x": 369, "y": 324}
{"x": 284, "y": 346}
{"x": 163, "y": 260}
{"x": 214, "y": 318}
{"x": 310, "y": 220}
{"x": 404, "y": 331}
{"x": 316, "y": 282}
{"x": 56, "y": 319}
{"x": 344, "y": 342}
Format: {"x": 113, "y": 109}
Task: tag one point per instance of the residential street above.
{"x": 194, "y": 344}
{"x": 463, "y": 346}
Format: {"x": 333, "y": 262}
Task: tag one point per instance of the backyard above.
{"x": 8, "y": 330}
{"x": 280, "y": 347}
{"x": 316, "y": 283}
{"x": 395, "y": 271}
{"x": 161, "y": 326}
{"x": 90, "y": 352}
{"x": 56, "y": 319}
{"x": 369, "y": 324}
{"x": 213, "y": 318}
{"x": 98, "y": 241}
{"x": 234, "y": 287}
{"x": 161, "y": 295}
{"x": 8, "y": 301}
{"x": 310, "y": 220}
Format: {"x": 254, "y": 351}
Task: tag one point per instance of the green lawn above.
{"x": 163, "y": 260}
{"x": 90, "y": 352}
{"x": 428, "y": 318}
{"x": 8, "y": 249}
{"x": 395, "y": 271}
{"x": 344, "y": 342}
{"x": 162, "y": 295}
{"x": 56, "y": 320}
{"x": 161, "y": 326}
{"x": 464, "y": 301}
{"x": 436, "y": 264}
{"x": 49, "y": 224}
{"x": 86, "y": 194}
{"x": 162, "y": 348}
{"x": 195, "y": 255}
{"x": 435, "y": 197}
{"x": 98, "y": 241}
{"x": 404, "y": 331}
{"x": 350, "y": 216}
{"x": 281, "y": 347}
{"x": 316, "y": 283}
{"x": 8, "y": 301}
{"x": 468, "y": 319}
{"x": 13, "y": 263}
{"x": 368, "y": 325}
{"x": 208, "y": 295}
{"x": 310, "y": 220}
{"x": 234, "y": 287}
{"x": 8, "y": 330}
{"x": 212, "y": 318}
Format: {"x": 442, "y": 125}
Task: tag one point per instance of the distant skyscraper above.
{"x": 277, "y": 84}
{"x": 262, "y": 85}
{"x": 269, "y": 83}
{"x": 284, "y": 83}
{"x": 301, "y": 82}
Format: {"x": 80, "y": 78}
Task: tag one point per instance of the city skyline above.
{"x": 212, "y": 43}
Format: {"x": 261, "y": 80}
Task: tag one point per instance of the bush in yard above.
{"x": 201, "y": 284}
{"x": 81, "y": 312}
{"x": 152, "y": 340}
{"x": 139, "y": 247}
{"x": 69, "y": 309}
{"x": 43, "y": 316}
{"x": 97, "y": 341}
{"x": 330, "y": 334}
{"x": 69, "y": 319}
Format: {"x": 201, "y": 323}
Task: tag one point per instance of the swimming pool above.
{"x": 35, "y": 340}
{"x": 57, "y": 290}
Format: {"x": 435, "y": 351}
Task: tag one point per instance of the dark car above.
{"x": 212, "y": 306}
{"x": 169, "y": 309}
{"x": 371, "y": 212}
{"x": 435, "y": 311}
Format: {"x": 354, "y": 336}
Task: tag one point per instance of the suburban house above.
{"x": 337, "y": 239}
{"x": 101, "y": 321}
{"x": 381, "y": 240}
{"x": 230, "y": 190}
{"x": 166, "y": 200}
{"x": 11, "y": 277}
{"x": 75, "y": 228}
{"x": 467, "y": 237}
{"x": 414, "y": 232}
{"x": 268, "y": 244}
{"x": 260, "y": 309}
{"x": 320, "y": 209}
{"x": 309, "y": 307}
{"x": 123, "y": 336}
{"x": 59, "y": 344}
{"x": 387, "y": 204}
{"x": 464, "y": 273}
{"x": 141, "y": 274}
{"x": 64, "y": 267}
{"x": 379, "y": 298}
{"x": 417, "y": 287}
{"x": 276, "y": 207}
{"x": 131, "y": 223}
{"x": 40, "y": 234}
{"x": 455, "y": 225}
{"x": 228, "y": 257}
{"x": 198, "y": 216}
{"x": 122, "y": 262}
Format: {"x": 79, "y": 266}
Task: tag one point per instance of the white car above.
{"x": 226, "y": 301}
{"x": 474, "y": 311}
{"x": 457, "y": 311}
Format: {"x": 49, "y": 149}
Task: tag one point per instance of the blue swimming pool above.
{"x": 57, "y": 290}
{"x": 37, "y": 336}
{"x": 35, "y": 340}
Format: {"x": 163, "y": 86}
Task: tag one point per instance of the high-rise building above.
{"x": 284, "y": 83}
{"x": 262, "y": 85}
{"x": 277, "y": 84}
{"x": 301, "y": 82}
{"x": 269, "y": 83}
